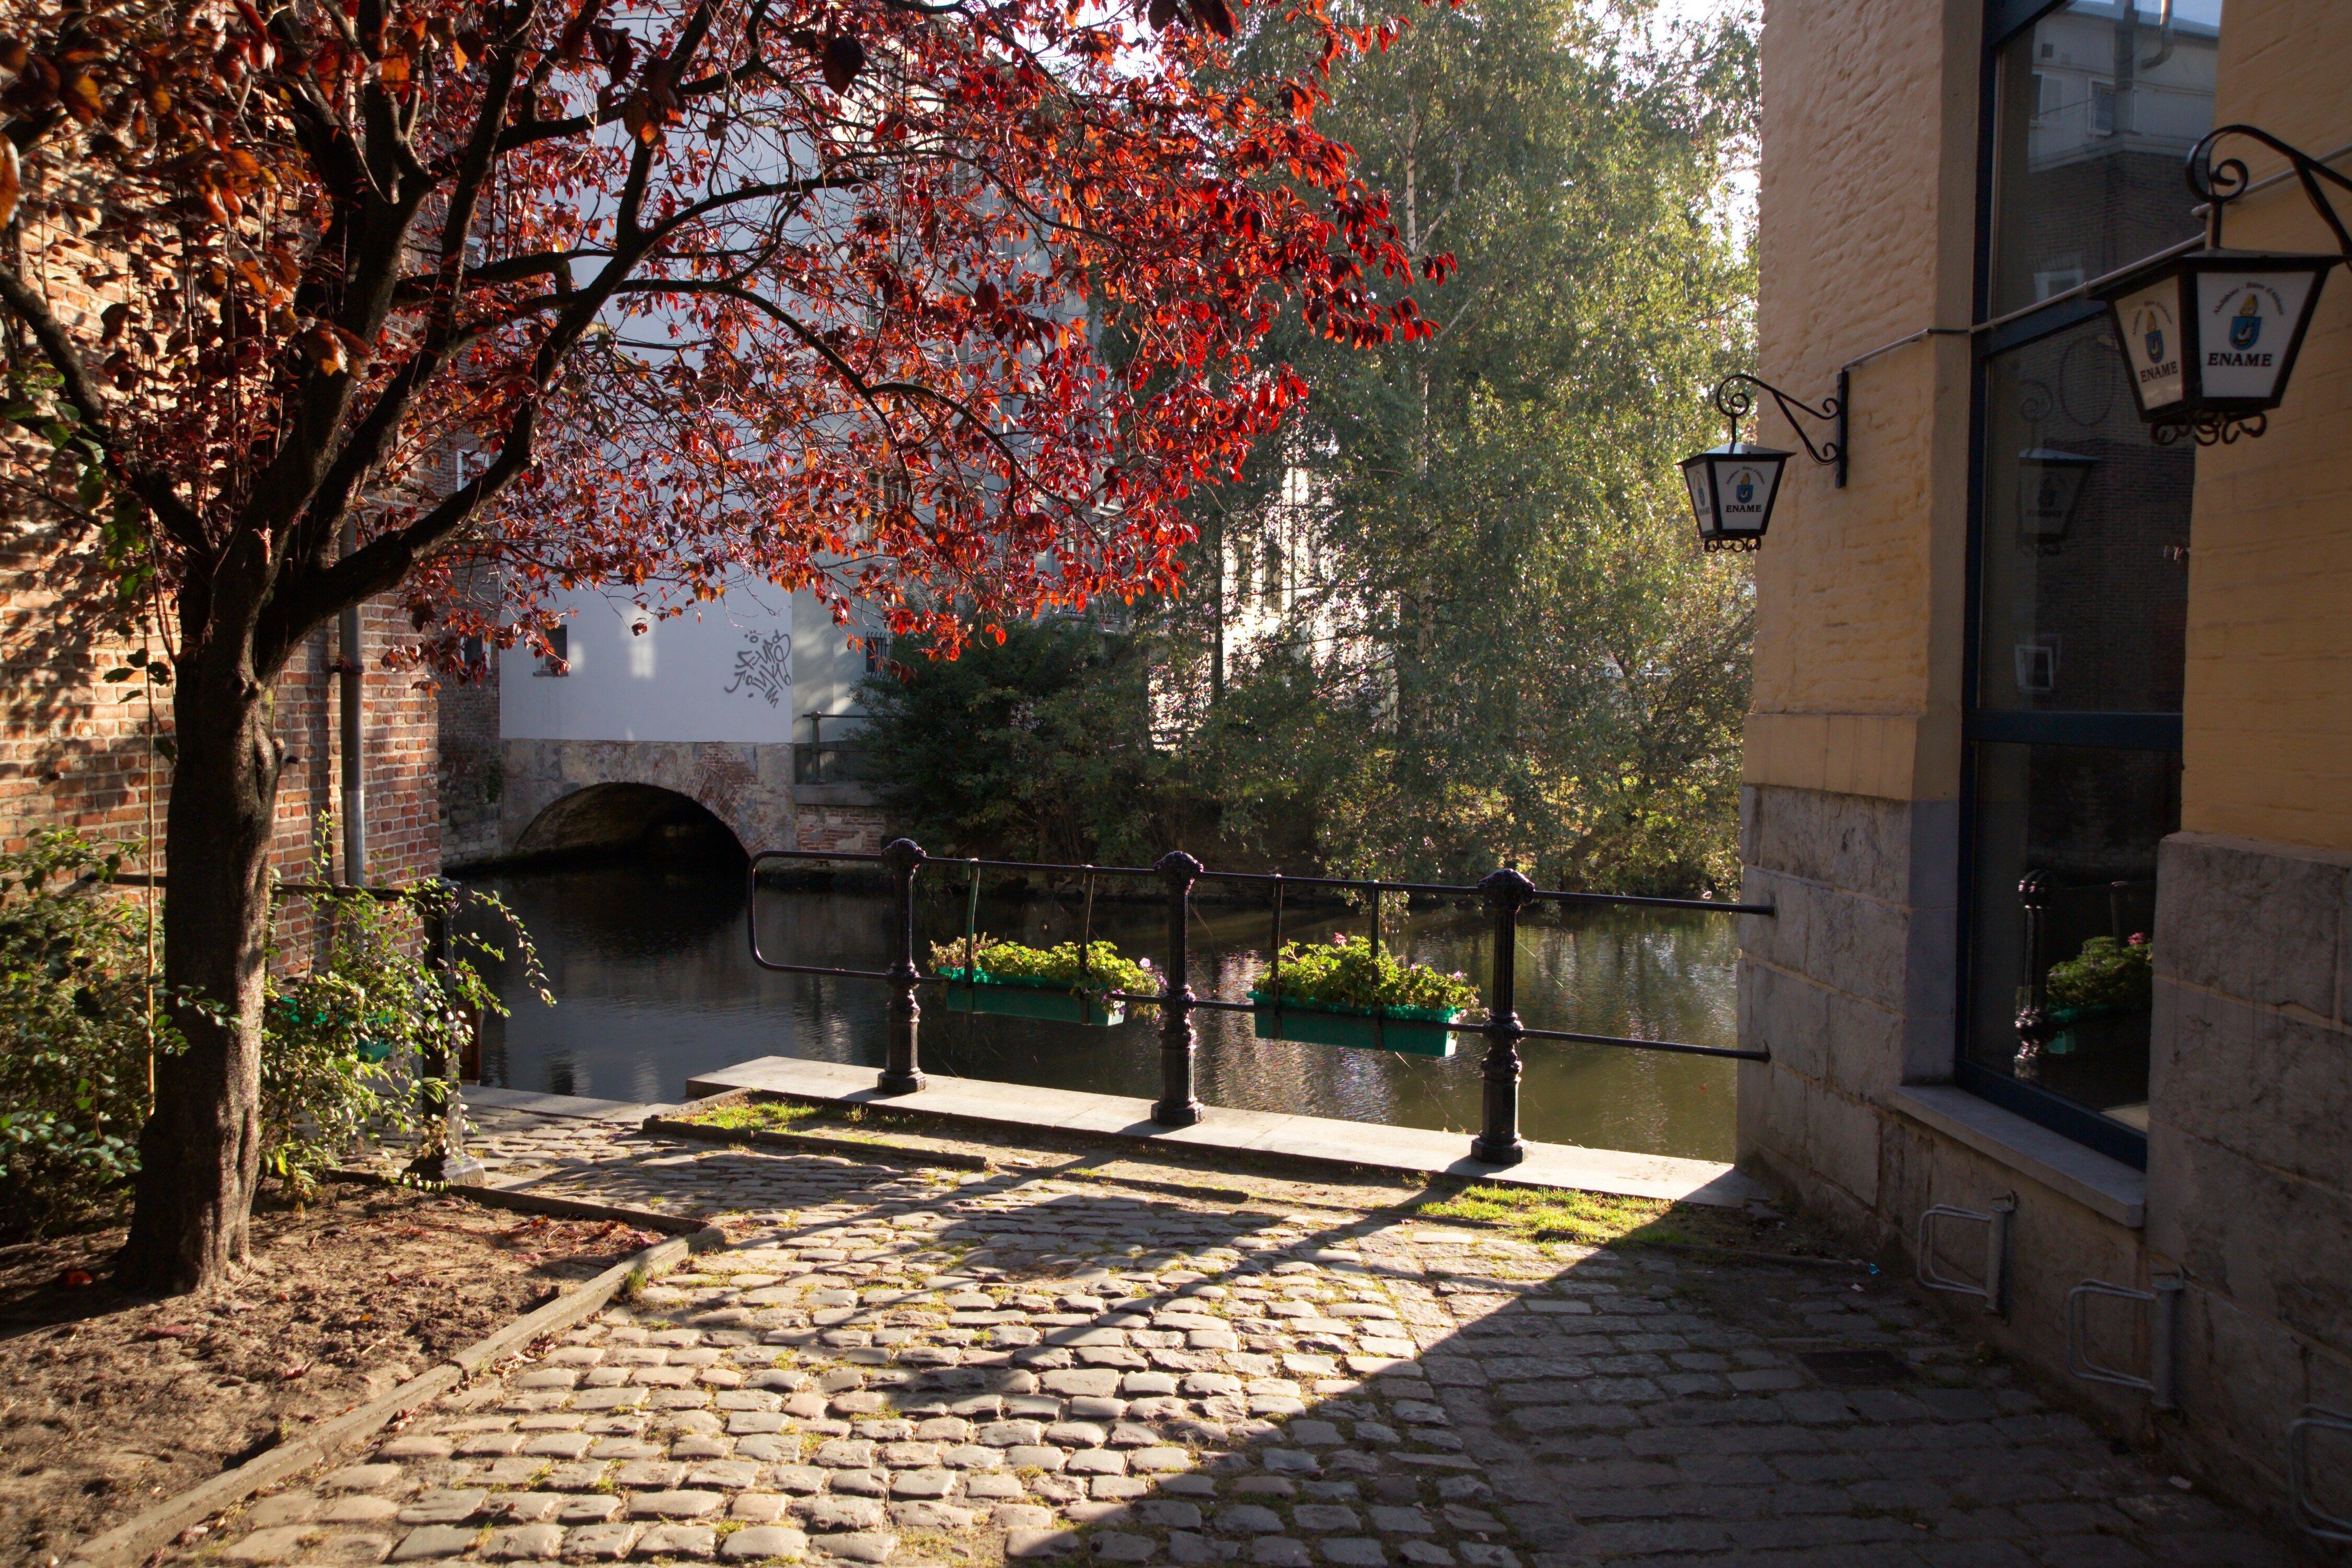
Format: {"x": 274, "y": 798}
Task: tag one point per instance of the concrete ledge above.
{"x": 2108, "y": 1188}
{"x": 523, "y": 1100}
{"x": 1311, "y": 1138}
{"x": 833, "y": 795}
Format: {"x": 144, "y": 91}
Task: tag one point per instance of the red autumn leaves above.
{"x": 684, "y": 278}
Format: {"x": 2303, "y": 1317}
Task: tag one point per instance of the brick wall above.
{"x": 76, "y": 751}
{"x": 855, "y": 829}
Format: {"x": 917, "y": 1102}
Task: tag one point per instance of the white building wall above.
{"x": 722, "y": 671}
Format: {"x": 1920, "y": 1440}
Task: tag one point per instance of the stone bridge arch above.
{"x": 582, "y": 794}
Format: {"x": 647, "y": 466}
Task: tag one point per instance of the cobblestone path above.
{"x": 909, "y": 1365}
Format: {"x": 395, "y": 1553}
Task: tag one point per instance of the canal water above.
{"x": 653, "y": 983}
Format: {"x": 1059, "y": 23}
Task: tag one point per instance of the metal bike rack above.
{"x": 1996, "y": 1221}
{"x": 2313, "y": 1518}
{"x": 2163, "y": 1322}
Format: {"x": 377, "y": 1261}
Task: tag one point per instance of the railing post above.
{"x": 1178, "y": 1106}
{"x": 1497, "y": 1142}
{"x": 2034, "y": 1027}
{"x": 904, "y": 857}
{"x": 437, "y": 1095}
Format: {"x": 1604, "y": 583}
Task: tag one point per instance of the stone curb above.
{"x": 522, "y": 1201}
{"x": 813, "y": 1143}
{"x": 130, "y": 1543}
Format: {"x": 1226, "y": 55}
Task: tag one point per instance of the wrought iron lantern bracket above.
{"x": 2198, "y": 367}
{"x": 2219, "y": 184}
{"x": 1735, "y": 404}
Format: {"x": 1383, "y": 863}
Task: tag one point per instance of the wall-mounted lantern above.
{"x": 1733, "y": 486}
{"x": 2049, "y": 487}
{"x": 2209, "y": 337}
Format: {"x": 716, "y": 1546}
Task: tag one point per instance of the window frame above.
{"x": 2003, "y": 21}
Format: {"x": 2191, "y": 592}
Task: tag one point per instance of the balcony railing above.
{"x": 830, "y": 763}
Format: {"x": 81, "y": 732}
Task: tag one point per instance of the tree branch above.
{"x": 178, "y": 518}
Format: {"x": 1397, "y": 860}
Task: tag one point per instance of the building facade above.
{"x": 2047, "y": 762}
{"x": 81, "y": 752}
{"x": 743, "y": 710}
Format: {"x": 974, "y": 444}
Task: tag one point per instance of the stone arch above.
{"x": 748, "y": 787}
{"x": 607, "y": 818}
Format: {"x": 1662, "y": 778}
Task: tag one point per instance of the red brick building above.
{"x": 77, "y": 750}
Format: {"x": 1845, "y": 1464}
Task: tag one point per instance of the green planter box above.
{"x": 1013, "y": 1000}
{"x": 1412, "y": 1032}
{"x": 2081, "y": 1026}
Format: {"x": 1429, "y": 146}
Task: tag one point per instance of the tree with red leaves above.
{"x": 941, "y": 305}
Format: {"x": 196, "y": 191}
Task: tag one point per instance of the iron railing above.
{"x": 1506, "y": 892}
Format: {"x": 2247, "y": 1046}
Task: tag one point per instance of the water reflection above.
{"x": 654, "y": 986}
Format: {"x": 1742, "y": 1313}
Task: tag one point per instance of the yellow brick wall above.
{"x": 2268, "y": 700}
{"x": 1868, "y": 197}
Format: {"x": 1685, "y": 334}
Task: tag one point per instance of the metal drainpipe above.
{"x": 354, "y": 663}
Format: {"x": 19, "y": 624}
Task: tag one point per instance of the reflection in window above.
{"x": 2083, "y": 555}
{"x": 2099, "y": 101}
{"x": 2064, "y": 907}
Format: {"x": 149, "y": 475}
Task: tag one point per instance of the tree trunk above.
{"x": 199, "y": 1153}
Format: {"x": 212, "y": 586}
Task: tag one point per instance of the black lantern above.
{"x": 2049, "y": 487}
{"x": 1731, "y": 491}
{"x": 2209, "y": 336}
{"x": 1733, "y": 486}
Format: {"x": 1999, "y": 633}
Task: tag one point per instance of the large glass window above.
{"x": 2084, "y": 557}
{"x": 2082, "y": 575}
{"x": 2098, "y": 102}
{"x": 2066, "y": 900}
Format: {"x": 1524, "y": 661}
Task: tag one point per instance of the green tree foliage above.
{"x": 1502, "y": 518}
{"x": 1459, "y": 615}
{"x": 1035, "y": 747}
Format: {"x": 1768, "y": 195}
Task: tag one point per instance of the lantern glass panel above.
{"x": 2246, "y": 322}
{"x": 1701, "y": 493}
{"x": 1745, "y": 481}
{"x": 2148, "y": 325}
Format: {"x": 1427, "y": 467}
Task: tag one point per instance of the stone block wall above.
{"x": 2250, "y": 1167}
{"x": 1850, "y": 986}
{"x": 473, "y": 766}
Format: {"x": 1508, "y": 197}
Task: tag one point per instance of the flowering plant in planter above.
{"x": 1380, "y": 1002}
{"x": 2107, "y": 974}
{"x": 1346, "y": 972}
{"x": 1080, "y": 974}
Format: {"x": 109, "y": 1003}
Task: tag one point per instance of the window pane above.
{"x": 2088, "y": 819}
{"x": 2084, "y": 564}
{"x": 2098, "y": 102}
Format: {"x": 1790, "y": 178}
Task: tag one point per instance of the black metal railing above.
{"x": 830, "y": 763}
{"x": 1506, "y": 892}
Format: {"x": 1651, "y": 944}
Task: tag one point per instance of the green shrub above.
{"x": 1103, "y": 968}
{"x": 74, "y": 1032}
{"x": 2105, "y": 974}
{"x": 348, "y": 1045}
{"x": 345, "y": 1046}
{"x": 1346, "y": 972}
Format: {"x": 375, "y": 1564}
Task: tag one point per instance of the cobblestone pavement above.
{"x": 891, "y": 1364}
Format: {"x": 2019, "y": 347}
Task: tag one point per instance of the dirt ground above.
{"x": 109, "y": 1401}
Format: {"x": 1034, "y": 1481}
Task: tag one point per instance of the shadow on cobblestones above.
{"x": 894, "y": 1364}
